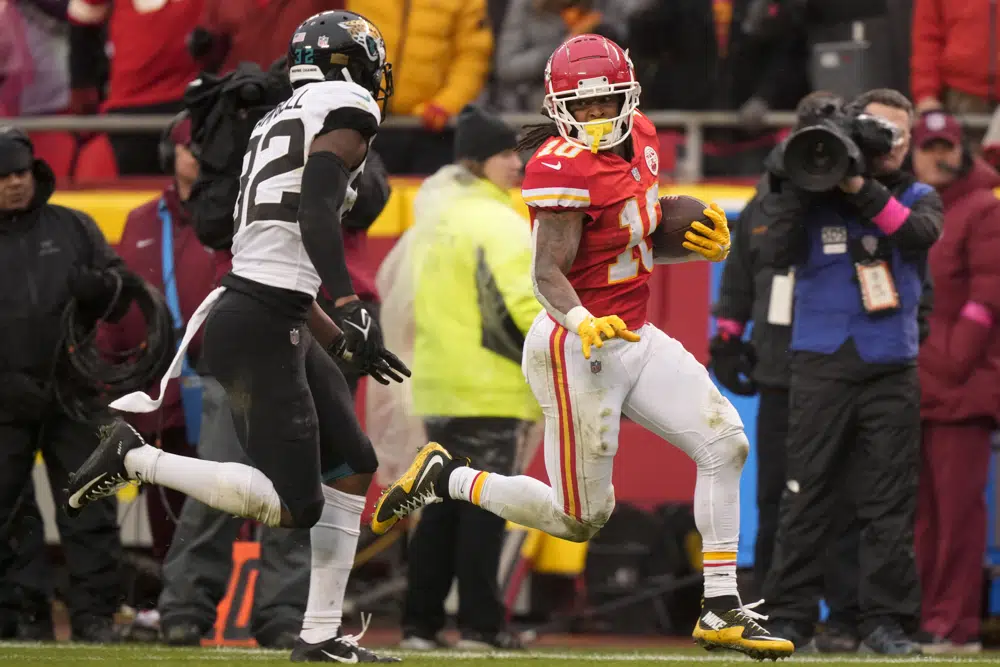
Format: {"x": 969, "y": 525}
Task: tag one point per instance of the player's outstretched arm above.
{"x": 557, "y": 239}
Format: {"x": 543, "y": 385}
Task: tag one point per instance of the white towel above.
{"x": 137, "y": 401}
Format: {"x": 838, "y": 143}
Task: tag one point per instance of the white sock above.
{"x": 521, "y": 499}
{"x": 233, "y": 488}
{"x": 717, "y": 510}
{"x": 334, "y": 541}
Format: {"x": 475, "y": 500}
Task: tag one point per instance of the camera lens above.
{"x": 816, "y": 158}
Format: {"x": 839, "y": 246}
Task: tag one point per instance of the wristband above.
{"x": 338, "y": 348}
{"x": 575, "y": 317}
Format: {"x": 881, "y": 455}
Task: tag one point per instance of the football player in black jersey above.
{"x": 269, "y": 343}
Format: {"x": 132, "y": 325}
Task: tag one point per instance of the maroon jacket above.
{"x": 960, "y": 360}
{"x": 194, "y": 268}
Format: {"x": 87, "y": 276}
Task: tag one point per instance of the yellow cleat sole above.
{"x": 404, "y": 483}
{"x": 756, "y": 649}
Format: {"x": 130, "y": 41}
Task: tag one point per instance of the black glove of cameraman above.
{"x": 732, "y": 359}
{"x": 362, "y": 345}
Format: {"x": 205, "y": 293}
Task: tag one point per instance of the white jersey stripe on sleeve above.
{"x": 562, "y": 202}
{"x": 556, "y": 197}
{"x": 580, "y": 192}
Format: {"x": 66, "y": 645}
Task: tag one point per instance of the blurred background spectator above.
{"x": 955, "y": 56}
{"x": 149, "y": 66}
{"x": 160, "y": 245}
{"x": 34, "y": 57}
{"x": 233, "y": 31}
{"x": 960, "y": 383}
{"x": 699, "y": 55}
{"x": 440, "y": 52}
{"x": 464, "y": 275}
{"x": 532, "y": 29}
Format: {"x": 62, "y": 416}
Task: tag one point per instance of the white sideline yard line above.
{"x": 18, "y": 650}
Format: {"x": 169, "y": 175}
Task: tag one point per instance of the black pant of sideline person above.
{"x": 862, "y": 433}
{"x": 840, "y": 582}
{"x": 26, "y": 579}
{"x": 455, "y": 539}
{"x": 90, "y": 541}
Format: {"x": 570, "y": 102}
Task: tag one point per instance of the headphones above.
{"x": 167, "y": 149}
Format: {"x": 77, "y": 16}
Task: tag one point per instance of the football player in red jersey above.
{"x": 591, "y": 356}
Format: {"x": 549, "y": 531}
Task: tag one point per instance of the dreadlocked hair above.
{"x": 533, "y": 136}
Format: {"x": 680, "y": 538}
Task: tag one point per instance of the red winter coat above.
{"x": 950, "y": 48}
{"x": 960, "y": 360}
{"x": 195, "y": 270}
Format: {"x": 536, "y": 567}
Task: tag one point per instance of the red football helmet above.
{"x": 590, "y": 66}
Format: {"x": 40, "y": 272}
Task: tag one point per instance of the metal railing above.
{"x": 692, "y": 123}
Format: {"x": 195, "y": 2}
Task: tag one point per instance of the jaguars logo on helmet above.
{"x": 368, "y": 36}
{"x": 340, "y": 45}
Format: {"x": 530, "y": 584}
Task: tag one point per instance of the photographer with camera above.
{"x": 753, "y": 291}
{"x": 857, "y": 230}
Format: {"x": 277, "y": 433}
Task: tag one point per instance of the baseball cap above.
{"x": 16, "y": 152}
{"x": 934, "y": 125}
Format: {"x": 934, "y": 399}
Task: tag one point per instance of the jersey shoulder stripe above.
{"x": 555, "y": 179}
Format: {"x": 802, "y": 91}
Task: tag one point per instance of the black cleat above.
{"x": 342, "y": 648}
{"x": 103, "y": 473}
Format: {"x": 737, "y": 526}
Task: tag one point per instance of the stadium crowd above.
{"x": 138, "y": 57}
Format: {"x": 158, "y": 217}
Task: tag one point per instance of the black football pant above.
{"x": 853, "y": 448}
{"x": 90, "y": 541}
{"x": 292, "y": 408}
{"x": 198, "y": 564}
{"x": 841, "y": 568}
{"x": 457, "y": 539}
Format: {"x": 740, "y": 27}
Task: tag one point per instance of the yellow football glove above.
{"x": 712, "y": 244}
{"x": 595, "y": 330}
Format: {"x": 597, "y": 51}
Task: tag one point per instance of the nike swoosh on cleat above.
{"x": 74, "y": 500}
{"x": 437, "y": 458}
{"x": 352, "y": 659}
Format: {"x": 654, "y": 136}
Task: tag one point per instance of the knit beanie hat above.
{"x": 479, "y": 134}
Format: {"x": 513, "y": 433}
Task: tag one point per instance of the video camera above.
{"x": 836, "y": 143}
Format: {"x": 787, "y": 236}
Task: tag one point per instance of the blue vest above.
{"x": 828, "y": 307}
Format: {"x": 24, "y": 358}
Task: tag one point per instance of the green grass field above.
{"x": 18, "y": 654}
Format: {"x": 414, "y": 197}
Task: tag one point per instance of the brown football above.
{"x": 677, "y": 214}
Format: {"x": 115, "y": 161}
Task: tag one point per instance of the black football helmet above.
{"x": 340, "y": 46}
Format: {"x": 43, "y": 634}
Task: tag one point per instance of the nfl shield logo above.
{"x": 293, "y": 335}
{"x": 595, "y": 366}
{"x": 635, "y": 173}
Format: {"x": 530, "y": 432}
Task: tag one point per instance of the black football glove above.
{"x": 732, "y": 359}
{"x": 362, "y": 345}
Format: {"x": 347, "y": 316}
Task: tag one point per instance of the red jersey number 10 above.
{"x": 626, "y": 265}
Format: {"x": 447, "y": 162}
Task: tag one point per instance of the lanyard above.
{"x": 169, "y": 279}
